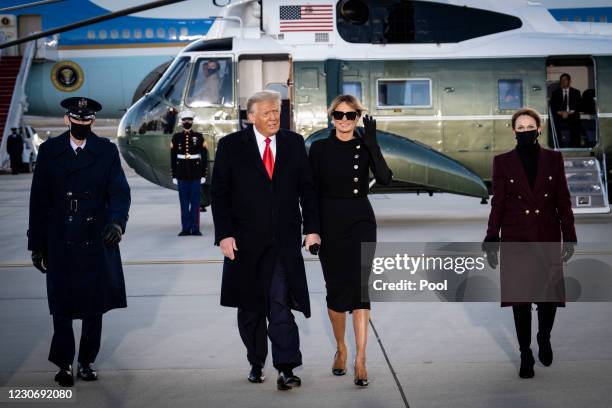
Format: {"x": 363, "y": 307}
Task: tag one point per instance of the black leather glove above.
{"x": 369, "y": 134}
{"x": 39, "y": 260}
{"x": 490, "y": 246}
{"x": 314, "y": 249}
{"x": 567, "y": 251}
{"x": 111, "y": 234}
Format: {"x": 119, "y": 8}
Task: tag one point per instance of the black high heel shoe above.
{"x": 360, "y": 382}
{"x": 338, "y": 371}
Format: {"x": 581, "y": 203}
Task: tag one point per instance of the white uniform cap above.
{"x": 187, "y": 115}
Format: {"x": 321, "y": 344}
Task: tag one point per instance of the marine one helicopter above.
{"x": 442, "y": 80}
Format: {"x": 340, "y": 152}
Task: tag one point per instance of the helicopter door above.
{"x": 265, "y": 72}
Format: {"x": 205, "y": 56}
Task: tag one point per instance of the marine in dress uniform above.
{"x": 531, "y": 203}
{"x": 79, "y": 206}
{"x": 189, "y": 158}
{"x": 14, "y": 148}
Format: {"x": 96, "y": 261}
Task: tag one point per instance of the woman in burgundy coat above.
{"x": 531, "y": 203}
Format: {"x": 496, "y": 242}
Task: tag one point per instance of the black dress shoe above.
{"x": 286, "y": 380}
{"x": 527, "y": 363}
{"x": 184, "y": 233}
{"x": 86, "y": 373}
{"x": 198, "y": 233}
{"x": 64, "y": 377}
{"x": 256, "y": 375}
{"x": 545, "y": 353}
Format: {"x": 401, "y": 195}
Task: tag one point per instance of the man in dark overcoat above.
{"x": 14, "y": 148}
{"x": 261, "y": 178}
{"x": 79, "y": 207}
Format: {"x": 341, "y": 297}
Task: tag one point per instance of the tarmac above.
{"x": 176, "y": 346}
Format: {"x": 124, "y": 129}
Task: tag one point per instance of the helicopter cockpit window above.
{"x": 211, "y": 83}
{"x": 172, "y": 84}
{"x": 416, "y": 22}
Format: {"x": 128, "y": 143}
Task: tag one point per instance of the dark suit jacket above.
{"x": 556, "y": 102}
{"x": 543, "y": 214}
{"x": 263, "y": 215}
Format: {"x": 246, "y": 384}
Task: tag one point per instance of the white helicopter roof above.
{"x": 539, "y": 35}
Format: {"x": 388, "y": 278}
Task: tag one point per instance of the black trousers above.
{"x": 62, "y": 345}
{"x": 16, "y": 163}
{"x": 281, "y": 329}
{"x": 522, "y": 323}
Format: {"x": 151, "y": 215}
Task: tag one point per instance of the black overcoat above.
{"x": 263, "y": 215}
{"x": 71, "y": 201}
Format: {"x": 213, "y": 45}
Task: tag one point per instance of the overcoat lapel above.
{"x": 519, "y": 171}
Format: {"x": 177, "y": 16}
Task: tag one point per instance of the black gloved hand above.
{"x": 39, "y": 260}
{"x": 111, "y": 234}
{"x": 314, "y": 249}
{"x": 490, "y": 246}
{"x": 369, "y": 134}
{"x": 567, "y": 251}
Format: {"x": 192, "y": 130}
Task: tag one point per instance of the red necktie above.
{"x": 268, "y": 158}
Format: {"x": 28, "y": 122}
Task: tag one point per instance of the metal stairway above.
{"x": 586, "y": 182}
{"x": 9, "y": 70}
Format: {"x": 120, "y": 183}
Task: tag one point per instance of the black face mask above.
{"x": 528, "y": 138}
{"x": 187, "y": 125}
{"x": 79, "y": 132}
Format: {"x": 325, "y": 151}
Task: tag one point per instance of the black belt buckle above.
{"x": 74, "y": 205}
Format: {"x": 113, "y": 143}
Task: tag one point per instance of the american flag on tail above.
{"x": 307, "y": 18}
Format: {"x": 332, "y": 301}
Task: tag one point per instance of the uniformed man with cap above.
{"x": 79, "y": 207}
{"x": 14, "y": 148}
{"x": 189, "y": 158}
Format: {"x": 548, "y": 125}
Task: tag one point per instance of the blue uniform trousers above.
{"x": 189, "y": 196}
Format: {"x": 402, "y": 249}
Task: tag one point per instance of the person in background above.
{"x": 565, "y": 103}
{"x": 189, "y": 157}
{"x": 14, "y": 148}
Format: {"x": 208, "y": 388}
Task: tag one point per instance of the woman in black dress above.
{"x": 341, "y": 165}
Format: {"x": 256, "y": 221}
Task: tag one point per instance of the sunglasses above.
{"x": 338, "y": 115}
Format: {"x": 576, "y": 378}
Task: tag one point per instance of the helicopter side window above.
{"x": 211, "y": 83}
{"x": 398, "y": 93}
{"x": 352, "y": 88}
{"x": 510, "y": 94}
{"x": 172, "y": 84}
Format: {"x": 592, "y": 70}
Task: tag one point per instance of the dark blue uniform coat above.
{"x": 72, "y": 200}
{"x": 263, "y": 215}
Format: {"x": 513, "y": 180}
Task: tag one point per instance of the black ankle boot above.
{"x": 527, "y": 363}
{"x": 545, "y": 353}
{"x": 546, "y": 320}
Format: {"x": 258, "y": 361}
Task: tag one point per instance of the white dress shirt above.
{"x": 74, "y": 145}
{"x": 261, "y": 143}
{"x": 566, "y": 97}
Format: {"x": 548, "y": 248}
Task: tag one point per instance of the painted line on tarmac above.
{"x": 145, "y": 262}
{"x": 393, "y": 373}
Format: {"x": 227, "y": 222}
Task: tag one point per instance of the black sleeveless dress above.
{"x": 341, "y": 175}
